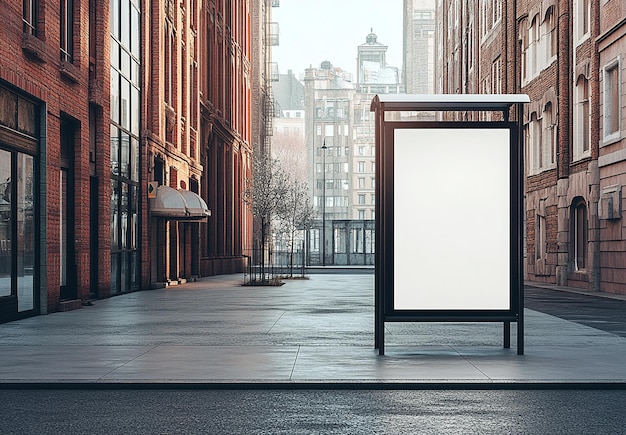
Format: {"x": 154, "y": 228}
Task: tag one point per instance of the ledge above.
{"x": 34, "y": 47}
{"x": 69, "y": 71}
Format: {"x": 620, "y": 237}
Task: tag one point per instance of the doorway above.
{"x": 67, "y": 246}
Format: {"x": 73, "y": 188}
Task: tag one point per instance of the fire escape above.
{"x": 272, "y": 75}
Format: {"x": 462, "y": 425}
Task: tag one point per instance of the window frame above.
{"x": 67, "y": 31}
{"x": 30, "y": 17}
{"x": 582, "y": 21}
{"x": 612, "y": 101}
{"x": 582, "y": 119}
{"x": 579, "y": 234}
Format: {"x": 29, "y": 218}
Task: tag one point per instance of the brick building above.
{"x": 567, "y": 57}
{"x": 119, "y": 122}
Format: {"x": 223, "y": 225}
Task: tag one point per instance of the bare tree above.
{"x": 291, "y": 151}
{"x": 266, "y": 196}
{"x": 296, "y": 214}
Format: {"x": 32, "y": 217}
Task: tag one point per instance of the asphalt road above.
{"x": 312, "y": 412}
{"x": 595, "y": 311}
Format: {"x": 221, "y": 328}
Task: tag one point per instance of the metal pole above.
{"x": 324, "y": 204}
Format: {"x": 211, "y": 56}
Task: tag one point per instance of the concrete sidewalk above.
{"x": 315, "y": 332}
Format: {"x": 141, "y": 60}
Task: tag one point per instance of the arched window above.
{"x": 523, "y": 41}
{"x": 549, "y": 35}
{"x": 549, "y": 155}
{"x": 534, "y": 143}
{"x": 533, "y": 48}
{"x": 578, "y": 234}
{"x": 582, "y": 120}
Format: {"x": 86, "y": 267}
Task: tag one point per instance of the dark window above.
{"x": 578, "y": 233}
{"x": 30, "y": 16}
{"x": 67, "y": 30}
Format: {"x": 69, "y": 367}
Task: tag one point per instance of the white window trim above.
{"x": 580, "y": 39}
{"x": 578, "y": 154}
{"x": 613, "y": 136}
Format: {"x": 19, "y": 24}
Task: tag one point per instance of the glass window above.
{"x": 125, "y": 100}
{"x": 114, "y": 215}
{"x": 581, "y": 18}
{"x": 124, "y": 154}
{"x": 125, "y": 63}
{"x": 135, "y": 110}
{"x": 115, "y": 18}
{"x": 524, "y": 44}
{"x": 612, "y": 97}
{"x": 25, "y": 233}
{"x": 581, "y": 120}
{"x": 29, "y": 16}
{"x": 369, "y": 241}
{"x": 123, "y": 217}
{"x": 114, "y": 274}
{"x": 340, "y": 240}
{"x": 357, "y": 240}
{"x": 578, "y": 233}
{"x": 6, "y": 237}
{"x": 134, "y": 219}
{"x": 135, "y": 73}
{"x": 134, "y": 159}
{"x": 314, "y": 240}
{"x": 115, "y": 54}
{"x": 548, "y": 156}
{"x": 115, "y": 150}
{"x": 125, "y": 23}
{"x": 134, "y": 24}
{"x": 115, "y": 95}
{"x": 67, "y": 30}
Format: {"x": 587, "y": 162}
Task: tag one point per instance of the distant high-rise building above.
{"x": 418, "y": 70}
{"x": 288, "y": 93}
{"x": 340, "y": 146}
{"x": 373, "y": 73}
{"x": 288, "y": 139}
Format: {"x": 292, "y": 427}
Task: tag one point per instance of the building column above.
{"x": 593, "y": 249}
{"x": 562, "y": 236}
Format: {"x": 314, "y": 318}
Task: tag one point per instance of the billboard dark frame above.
{"x": 385, "y": 281}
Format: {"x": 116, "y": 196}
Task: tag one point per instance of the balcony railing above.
{"x": 274, "y": 72}
{"x": 272, "y": 34}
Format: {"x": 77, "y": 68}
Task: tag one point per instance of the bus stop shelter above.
{"x": 449, "y": 210}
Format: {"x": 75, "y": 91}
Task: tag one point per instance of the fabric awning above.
{"x": 170, "y": 203}
{"x": 196, "y": 207}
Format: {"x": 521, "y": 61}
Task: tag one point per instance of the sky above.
{"x": 312, "y": 31}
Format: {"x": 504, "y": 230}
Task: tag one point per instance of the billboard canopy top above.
{"x": 447, "y": 102}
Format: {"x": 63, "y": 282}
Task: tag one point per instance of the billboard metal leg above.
{"x": 520, "y": 335}
{"x": 507, "y": 335}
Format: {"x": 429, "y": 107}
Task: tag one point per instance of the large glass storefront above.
{"x": 125, "y": 117}
{"x": 18, "y": 259}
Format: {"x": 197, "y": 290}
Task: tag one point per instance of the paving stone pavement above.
{"x": 318, "y": 331}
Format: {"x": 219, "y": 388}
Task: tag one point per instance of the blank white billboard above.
{"x": 452, "y": 223}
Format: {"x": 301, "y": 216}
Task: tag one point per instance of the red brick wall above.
{"x": 65, "y": 94}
